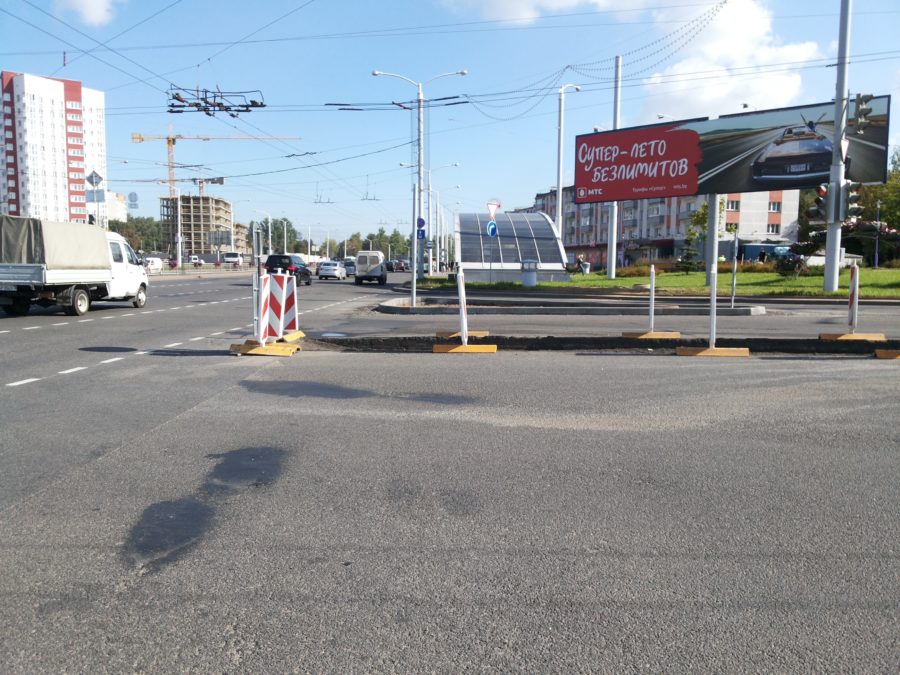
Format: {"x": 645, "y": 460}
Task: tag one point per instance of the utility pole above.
{"x": 835, "y": 206}
{"x": 613, "y": 226}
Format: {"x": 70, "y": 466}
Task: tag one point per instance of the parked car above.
{"x": 390, "y": 264}
{"x": 289, "y": 264}
{"x": 154, "y": 265}
{"x": 331, "y": 269}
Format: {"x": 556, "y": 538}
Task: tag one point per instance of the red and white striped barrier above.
{"x": 277, "y": 306}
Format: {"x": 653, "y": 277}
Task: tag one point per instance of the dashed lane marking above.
{"x": 72, "y": 370}
{"x": 31, "y": 327}
{"x": 195, "y": 339}
{"x": 21, "y": 382}
{"x": 113, "y": 360}
{"x": 174, "y": 344}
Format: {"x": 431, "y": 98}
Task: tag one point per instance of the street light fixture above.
{"x": 421, "y": 159}
{"x": 559, "y": 156}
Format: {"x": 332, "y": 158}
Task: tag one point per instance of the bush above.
{"x": 636, "y": 271}
{"x": 792, "y": 265}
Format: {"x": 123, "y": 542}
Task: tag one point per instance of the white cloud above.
{"x": 734, "y": 60}
{"x": 92, "y": 12}
{"x": 532, "y": 9}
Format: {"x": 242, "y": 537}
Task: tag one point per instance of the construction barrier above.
{"x": 277, "y": 319}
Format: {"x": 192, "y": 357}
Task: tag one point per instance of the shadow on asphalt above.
{"x": 300, "y": 389}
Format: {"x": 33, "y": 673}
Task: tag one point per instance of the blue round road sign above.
{"x": 420, "y": 223}
{"x": 492, "y": 228}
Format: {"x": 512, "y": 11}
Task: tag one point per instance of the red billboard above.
{"x": 782, "y": 149}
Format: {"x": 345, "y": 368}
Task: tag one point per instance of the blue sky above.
{"x": 681, "y": 58}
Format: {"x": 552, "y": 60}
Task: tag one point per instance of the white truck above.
{"x": 68, "y": 264}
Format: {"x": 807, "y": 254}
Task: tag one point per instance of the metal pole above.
{"x": 712, "y": 218}
{"x": 559, "y": 163}
{"x": 284, "y": 222}
{"x": 854, "y": 298}
{"x": 613, "y": 226}
{"x": 734, "y": 267}
{"x": 877, "y": 229}
{"x": 255, "y": 295}
{"x": 421, "y": 173}
{"x": 833, "y": 237}
{"x": 412, "y": 256}
{"x": 652, "y": 295}
{"x": 178, "y": 244}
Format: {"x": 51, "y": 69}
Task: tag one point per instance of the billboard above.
{"x": 781, "y": 149}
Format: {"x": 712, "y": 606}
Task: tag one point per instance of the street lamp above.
{"x": 421, "y": 160}
{"x": 559, "y": 156}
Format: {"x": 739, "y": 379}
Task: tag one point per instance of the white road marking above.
{"x": 129, "y": 314}
{"x": 84, "y": 320}
{"x": 197, "y": 338}
{"x": 113, "y": 360}
{"x": 219, "y": 333}
{"x": 174, "y": 344}
{"x": 31, "y": 327}
{"x": 61, "y": 323}
{"x": 3, "y": 331}
{"x": 140, "y": 353}
{"x": 72, "y": 370}
{"x": 20, "y": 382}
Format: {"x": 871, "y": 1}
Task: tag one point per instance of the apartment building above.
{"x": 650, "y": 229}
{"x": 54, "y": 139}
{"x": 207, "y": 224}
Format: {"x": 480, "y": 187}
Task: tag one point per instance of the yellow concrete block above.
{"x": 871, "y": 337}
{"x": 464, "y": 349}
{"x": 254, "y": 348}
{"x": 714, "y": 351}
{"x": 887, "y": 353}
{"x": 472, "y": 333}
{"x": 653, "y": 335}
{"x": 292, "y": 337}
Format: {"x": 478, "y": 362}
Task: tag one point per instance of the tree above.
{"x": 141, "y": 233}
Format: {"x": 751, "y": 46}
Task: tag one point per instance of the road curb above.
{"x": 586, "y": 343}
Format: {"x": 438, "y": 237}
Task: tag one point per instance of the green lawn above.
{"x": 873, "y": 283}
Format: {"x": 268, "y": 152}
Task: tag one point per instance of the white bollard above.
{"x": 652, "y": 295}
{"x": 463, "y": 317}
{"x": 853, "y": 298}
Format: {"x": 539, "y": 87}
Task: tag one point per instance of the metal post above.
{"x": 877, "y": 229}
{"x": 421, "y": 172}
{"x": 833, "y": 237}
{"x": 712, "y": 218}
{"x": 734, "y": 267}
{"x": 284, "y": 222}
{"x": 853, "y": 298}
{"x": 652, "y": 295}
{"x": 613, "y": 226}
{"x": 413, "y": 263}
{"x": 255, "y": 295}
{"x": 178, "y": 243}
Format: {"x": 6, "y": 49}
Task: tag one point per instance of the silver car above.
{"x": 331, "y": 269}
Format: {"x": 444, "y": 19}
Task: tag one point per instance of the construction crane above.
{"x": 172, "y": 138}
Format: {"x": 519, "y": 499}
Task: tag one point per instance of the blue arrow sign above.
{"x": 420, "y": 234}
{"x": 492, "y": 228}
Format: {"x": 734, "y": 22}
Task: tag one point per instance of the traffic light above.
{"x": 821, "y": 209}
{"x": 862, "y": 112}
{"x": 850, "y": 200}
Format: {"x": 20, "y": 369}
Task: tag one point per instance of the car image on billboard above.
{"x": 800, "y": 153}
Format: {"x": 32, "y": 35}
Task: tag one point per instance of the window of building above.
{"x": 774, "y": 207}
{"x": 73, "y": 105}
{"x": 773, "y": 228}
{"x": 733, "y": 205}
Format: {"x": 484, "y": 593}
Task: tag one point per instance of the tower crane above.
{"x": 171, "y": 138}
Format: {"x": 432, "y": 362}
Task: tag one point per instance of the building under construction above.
{"x": 207, "y": 225}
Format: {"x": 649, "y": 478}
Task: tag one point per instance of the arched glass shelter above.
{"x": 520, "y": 237}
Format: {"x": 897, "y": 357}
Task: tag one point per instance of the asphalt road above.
{"x": 183, "y": 509}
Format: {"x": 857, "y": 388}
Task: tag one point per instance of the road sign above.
{"x": 420, "y": 223}
{"x": 492, "y": 228}
{"x": 94, "y": 178}
{"x": 429, "y": 244}
{"x": 492, "y": 208}
{"x": 420, "y": 234}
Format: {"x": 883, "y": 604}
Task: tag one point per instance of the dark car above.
{"x": 290, "y": 264}
{"x": 800, "y": 154}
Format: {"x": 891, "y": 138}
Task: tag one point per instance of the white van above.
{"x": 232, "y": 258}
{"x": 370, "y": 266}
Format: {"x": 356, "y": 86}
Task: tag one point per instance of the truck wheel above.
{"x": 81, "y": 302}
{"x": 19, "y": 307}
{"x": 140, "y": 299}
{"x": 382, "y": 281}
